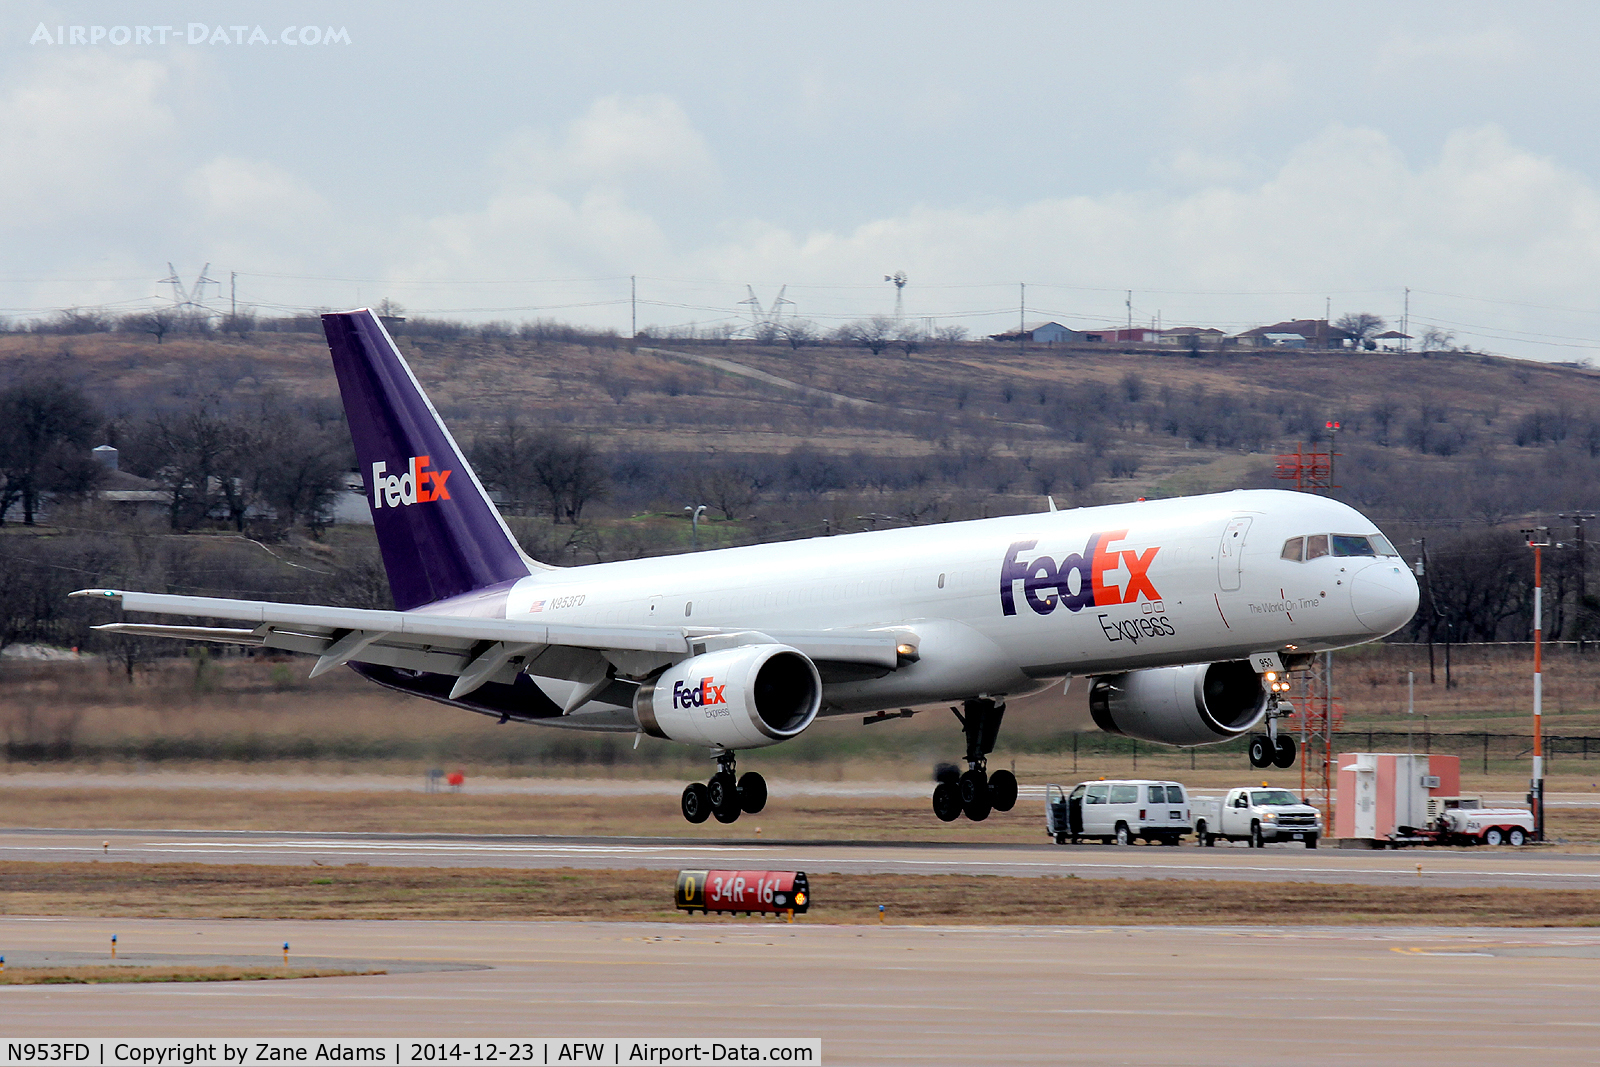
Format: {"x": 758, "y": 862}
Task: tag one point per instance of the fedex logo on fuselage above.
{"x": 417, "y": 485}
{"x": 698, "y": 696}
{"x": 1079, "y": 581}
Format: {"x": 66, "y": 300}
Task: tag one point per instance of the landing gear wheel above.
{"x": 1517, "y": 837}
{"x": 946, "y": 802}
{"x": 696, "y": 803}
{"x": 1283, "y": 756}
{"x": 752, "y": 792}
{"x": 1256, "y": 840}
{"x": 1124, "y": 837}
{"x": 1003, "y": 790}
{"x": 723, "y": 791}
{"x": 1261, "y": 752}
{"x": 976, "y": 796}
{"x": 974, "y": 787}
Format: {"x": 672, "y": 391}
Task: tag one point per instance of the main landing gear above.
{"x": 727, "y": 795}
{"x": 1275, "y": 748}
{"x": 976, "y": 792}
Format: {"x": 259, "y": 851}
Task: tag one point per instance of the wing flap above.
{"x": 415, "y": 624}
{"x": 218, "y": 634}
{"x": 460, "y": 645}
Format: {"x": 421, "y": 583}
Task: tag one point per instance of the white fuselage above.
{"x": 1003, "y": 606}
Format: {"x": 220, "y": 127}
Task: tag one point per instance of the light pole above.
{"x": 695, "y": 511}
{"x": 1538, "y": 540}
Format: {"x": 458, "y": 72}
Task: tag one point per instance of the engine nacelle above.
{"x": 1199, "y": 704}
{"x": 734, "y": 698}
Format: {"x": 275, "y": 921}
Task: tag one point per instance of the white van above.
{"x": 1121, "y": 811}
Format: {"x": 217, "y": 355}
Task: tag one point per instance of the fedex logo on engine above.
{"x": 703, "y": 695}
{"x": 1082, "y": 580}
{"x": 417, "y": 485}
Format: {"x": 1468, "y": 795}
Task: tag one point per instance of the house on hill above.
{"x": 129, "y": 493}
{"x": 1190, "y": 338}
{"x": 1050, "y": 333}
{"x": 1296, "y": 333}
{"x": 1045, "y": 333}
{"x": 1126, "y": 335}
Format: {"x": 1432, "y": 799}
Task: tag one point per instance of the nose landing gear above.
{"x": 975, "y": 793}
{"x": 726, "y": 795}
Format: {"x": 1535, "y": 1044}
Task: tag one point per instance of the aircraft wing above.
{"x": 479, "y": 650}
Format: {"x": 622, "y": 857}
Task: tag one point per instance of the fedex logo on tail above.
{"x": 417, "y": 485}
{"x": 698, "y": 696}
{"x": 1082, "y": 580}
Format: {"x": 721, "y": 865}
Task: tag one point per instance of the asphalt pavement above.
{"x": 1212, "y": 997}
{"x": 1481, "y": 867}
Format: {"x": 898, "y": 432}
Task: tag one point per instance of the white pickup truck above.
{"x": 1256, "y": 815}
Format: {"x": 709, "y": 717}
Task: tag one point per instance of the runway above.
{"x": 1528, "y": 868}
{"x": 874, "y": 995}
{"x": 780, "y": 788}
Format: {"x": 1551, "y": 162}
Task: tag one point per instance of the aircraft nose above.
{"x": 1384, "y": 596}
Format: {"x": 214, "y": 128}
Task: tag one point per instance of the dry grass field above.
{"x": 125, "y": 975}
{"x": 195, "y": 891}
{"x": 264, "y": 715}
{"x": 796, "y": 818}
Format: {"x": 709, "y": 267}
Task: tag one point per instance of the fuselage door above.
{"x": 1230, "y": 554}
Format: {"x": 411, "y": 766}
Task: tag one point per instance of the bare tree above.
{"x": 799, "y": 333}
{"x": 240, "y": 323}
{"x": 910, "y": 338}
{"x": 157, "y": 323}
{"x": 565, "y": 472}
{"x": 293, "y": 467}
{"x": 731, "y": 488}
{"x": 875, "y": 334}
{"x": 1383, "y": 414}
{"x": 45, "y": 428}
{"x": 1360, "y": 325}
{"x": 950, "y": 335}
{"x": 1437, "y": 340}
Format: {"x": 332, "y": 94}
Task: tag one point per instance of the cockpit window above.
{"x": 1315, "y": 546}
{"x": 1352, "y": 545}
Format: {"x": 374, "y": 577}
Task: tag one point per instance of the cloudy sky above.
{"x": 1231, "y": 164}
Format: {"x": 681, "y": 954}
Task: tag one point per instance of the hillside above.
{"x": 968, "y": 428}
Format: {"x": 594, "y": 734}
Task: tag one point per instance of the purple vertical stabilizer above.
{"x": 440, "y": 534}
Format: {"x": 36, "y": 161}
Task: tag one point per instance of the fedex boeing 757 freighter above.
{"x": 1182, "y": 614}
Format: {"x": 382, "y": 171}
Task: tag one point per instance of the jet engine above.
{"x": 733, "y": 698}
{"x": 1198, "y": 704}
